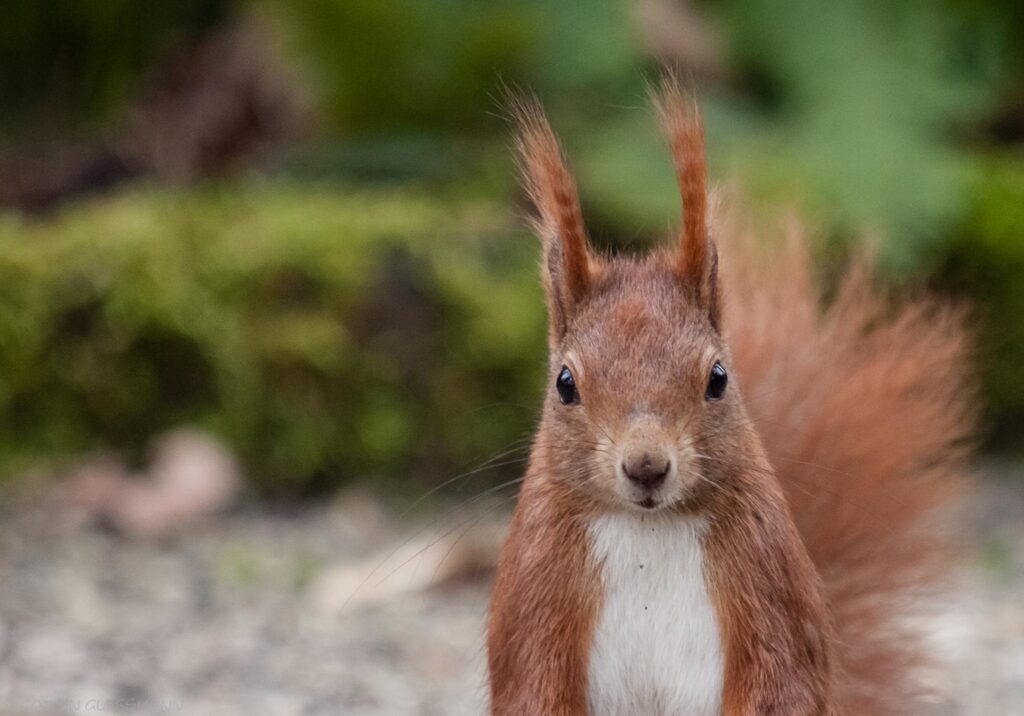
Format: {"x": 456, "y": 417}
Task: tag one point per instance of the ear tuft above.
{"x": 559, "y": 220}
{"x": 681, "y": 122}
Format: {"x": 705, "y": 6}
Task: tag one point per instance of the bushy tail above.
{"x": 866, "y": 411}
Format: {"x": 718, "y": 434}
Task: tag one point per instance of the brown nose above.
{"x": 646, "y": 469}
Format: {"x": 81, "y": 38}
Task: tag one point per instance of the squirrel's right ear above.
{"x": 568, "y": 264}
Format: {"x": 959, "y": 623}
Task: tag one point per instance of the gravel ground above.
{"x": 221, "y": 621}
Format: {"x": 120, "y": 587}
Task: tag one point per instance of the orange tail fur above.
{"x": 866, "y": 413}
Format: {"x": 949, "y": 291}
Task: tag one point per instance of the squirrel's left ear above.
{"x": 697, "y": 258}
{"x": 568, "y": 264}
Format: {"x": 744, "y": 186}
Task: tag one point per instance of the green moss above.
{"x": 323, "y": 332}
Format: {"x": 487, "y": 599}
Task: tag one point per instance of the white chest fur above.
{"x": 657, "y": 647}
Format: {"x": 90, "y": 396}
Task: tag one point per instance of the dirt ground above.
{"x": 238, "y": 617}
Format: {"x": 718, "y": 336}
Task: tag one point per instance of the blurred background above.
{"x": 270, "y": 321}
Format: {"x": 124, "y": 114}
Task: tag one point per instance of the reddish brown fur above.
{"x": 866, "y": 414}
{"x": 776, "y": 628}
{"x": 815, "y": 537}
{"x": 560, "y": 220}
{"x": 544, "y": 606}
{"x": 684, "y": 129}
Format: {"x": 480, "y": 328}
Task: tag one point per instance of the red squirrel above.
{"x": 680, "y": 547}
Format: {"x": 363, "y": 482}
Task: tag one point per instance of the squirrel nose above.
{"x": 645, "y": 469}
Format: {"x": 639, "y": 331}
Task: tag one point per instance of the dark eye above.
{"x": 716, "y": 382}
{"x": 566, "y": 387}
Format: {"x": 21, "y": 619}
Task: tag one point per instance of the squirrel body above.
{"x": 681, "y": 548}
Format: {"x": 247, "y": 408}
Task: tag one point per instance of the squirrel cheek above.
{"x": 688, "y": 467}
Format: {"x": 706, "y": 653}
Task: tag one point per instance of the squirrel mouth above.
{"x": 648, "y": 503}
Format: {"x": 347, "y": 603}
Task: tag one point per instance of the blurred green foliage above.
{"x": 324, "y": 332}
{"x": 851, "y": 107}
{"x": 986, "y": 260}
{"x": 375, "y": 66}
{"x": 360, "y": 326}
{"x": 444, "y": 65}
{"x": 65, "y": 63}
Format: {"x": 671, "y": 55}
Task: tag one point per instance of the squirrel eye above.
{"x": 716, "y": 382}
{"x": 566, "y": 387}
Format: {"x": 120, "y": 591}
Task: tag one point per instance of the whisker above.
{"x": 435, "y": 541}
{"x": 415, "y": 534}
{"x": 485, "y": 513}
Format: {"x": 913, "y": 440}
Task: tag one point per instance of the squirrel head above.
{"x": 638, "y": 404}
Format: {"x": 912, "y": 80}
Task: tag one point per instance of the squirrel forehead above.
{"x": 641, "y": 325}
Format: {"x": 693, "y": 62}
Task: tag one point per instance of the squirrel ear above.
{"x": 697, "y": 259}
{"x": 567, "y": 265}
